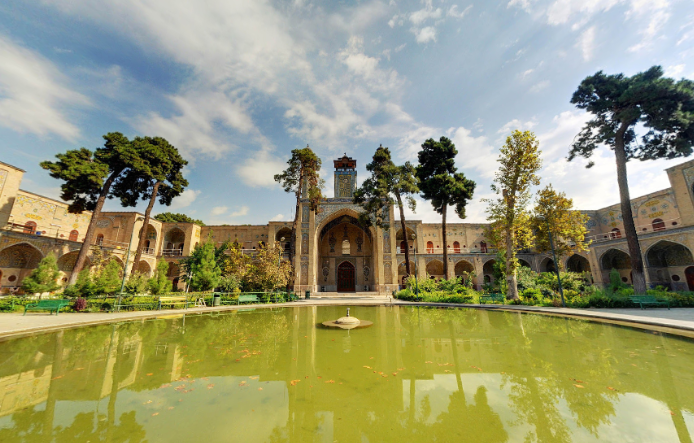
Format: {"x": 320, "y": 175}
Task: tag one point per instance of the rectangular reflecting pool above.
{"x": 415, "y": 375}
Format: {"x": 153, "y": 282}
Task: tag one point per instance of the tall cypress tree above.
{"x": 44, "y": 277}
{"x": 389, "y": 184}
{"x": 442, "y": 184}
{"x": 663, "y": 106}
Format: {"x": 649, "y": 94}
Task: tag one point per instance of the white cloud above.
{"x": 34, "y": 94}
{"x": 586, "y": 43}
{"x": 400, "y": 48}
{"x": 479, "y": 124}
{"x": 184, "y": 200}
{"x": 473, "y": 152}
{"x": 674, "y": 71}
{"x": 280, "y": 217}
{"x": 219, "y": 210}
{"x": 260, "y": 170}
{"x": 242, "y": 211}
{"x": 539, "y": 86}
{"x": 516, "y": 124}
{"x": 455, "y": 13}
{"x": 656, "y": 11}
{"x": 426, "y": 13}
{"x": 524, "y": 4}
{"x": 527, "y": 73}
{"x": 425, "y": 35}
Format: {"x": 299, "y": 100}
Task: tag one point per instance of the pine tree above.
{"x": 389, "y": 184}
{"x": 160, "y": 283}
{"x": 206, "y": 271}
{"x": 442, "y": 185}
{"x": 109, "y": 279}
{"x": 44, "y": 277}
{"x": 619, "y": 104}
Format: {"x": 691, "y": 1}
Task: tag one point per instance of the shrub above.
{"x": 80, "y": 304}
{"x": 160, "y": 283}
{"x": 137, "y": 283}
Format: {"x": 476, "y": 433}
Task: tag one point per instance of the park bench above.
{"x": 47, "y": 305}
{"x": 292, "y": 297}
{"x": 247, "y": 298}
{"x": 492, "y": 298}
{"x": 647, "y": 300}
{"x": 173, "y": 300}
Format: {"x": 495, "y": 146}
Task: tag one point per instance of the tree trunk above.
{"x": 637, "y": 274}
{"x": 511, "y": 280}
{"x": 143, "y": 231}
{"x": 292, "y": 245}
{"x": 404, "y": 234}
{"x": 89, "y": 236}
{"x": 445, "y": 243}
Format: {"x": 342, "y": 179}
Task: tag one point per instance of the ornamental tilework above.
{"x": 326, "y": 209}
{"x": 305, "y": 214}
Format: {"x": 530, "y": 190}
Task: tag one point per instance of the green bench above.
{"x": 647, "y": 300}
{"x": 492, "y": 298}
{"x": 47, "y": 305}
{"x": 247, "y": 298}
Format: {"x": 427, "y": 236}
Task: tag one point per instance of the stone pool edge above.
{"x": 670, "y": 326}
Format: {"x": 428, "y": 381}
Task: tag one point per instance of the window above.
{"x": 402, "y": 247}
{"x": 658, "y": 224}
{"x": 100, "y": 239}
{"x": 73, "y": 235}
{"x": 483, "y": 247}
{"x": 430, "y": 247}
{"x": 456, "y": 247}
{"x": 29, "y": 227}
{"x": 345, "y": 247}
{"x": 616, "y": 233}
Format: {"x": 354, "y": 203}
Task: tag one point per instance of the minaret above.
{"x": 345, "y": 177}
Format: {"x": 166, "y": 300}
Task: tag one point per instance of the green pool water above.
{"x": 416, "y": 375}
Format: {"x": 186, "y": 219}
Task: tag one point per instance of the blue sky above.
{"x": 236, "y": 85}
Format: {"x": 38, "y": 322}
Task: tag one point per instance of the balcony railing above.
{"x": 640, "y": 229}
{"x": 148, "y": 251}
{"x": 172, "y": 252}
{"x": 105, "y": 243}
{"x": 451, "y": 251}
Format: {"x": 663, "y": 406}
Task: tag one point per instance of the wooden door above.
{"x": 689, "y": 273}
{"x": 345, "y": 277}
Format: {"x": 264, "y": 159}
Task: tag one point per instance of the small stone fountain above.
{"x": 347, "y": 322}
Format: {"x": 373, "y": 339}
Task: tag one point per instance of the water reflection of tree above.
{"x": 83, "y": 429}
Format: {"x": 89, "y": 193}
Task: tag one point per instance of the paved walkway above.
{"x": 677, "y": 320}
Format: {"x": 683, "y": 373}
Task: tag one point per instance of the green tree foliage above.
{"x": 157, "y": 171}
{"x": 508, "y": 214}
{"x": 267, "y": 271}
{"x": 301, "y": 179}
{"x": 202, "y": 268}
{"x": 88, "y": 179}
{"x": 441, "y": 184}
{"x": 160, "y": 283}
{"x": 389, "y": 184}
{"x": 176, "y": 217}
{"x": 137, "y": 283}
{"x": 44, "y": 277}
{"x": 237, "y": 264}
{"x": 662, "y": 106}
{"x": 109, "y": 278}
{"x": 566, "y": 225}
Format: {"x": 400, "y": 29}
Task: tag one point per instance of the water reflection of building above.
{"x": 440, "y": 370}
{"x": 335, "y": 254}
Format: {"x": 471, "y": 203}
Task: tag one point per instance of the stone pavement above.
{"x": 677, "y": 320}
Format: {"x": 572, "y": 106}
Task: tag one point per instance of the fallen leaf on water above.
{"x": 579, "y": 386}
{"x": 55, "y": 378}
{"x": 428, "y": 362}
{"x": 260, "y": 389}
{"x": 446, "y": 370}
{"x": 155, "y": 414}
{"x": 151, "y": 373}
{"x": 170, "y": 408}
{"x": 294, "y": 382}
{"x": 180, "y": 399}
{"x": 634, "y": 365}
{"x": 330, "y": 381}
{"x": 254, "y": 378}
{"x": 320, "y": 376}
{"x": 147, "y": 402}
{"x": 306, "y": 376}
{"x": 401, "y": 369}
{"x": 367, "y": 367}
{"x": 384, "y": 375}
{"x": 78, "y": 369}
{"x": 243, "y": 383}
{"x": 671, "y": 413}
{"x": 611, "y": 388}
{"x": 579, "y": 381}
{"x": 371, "y": 358}
{"x": 210, "y": 386}
{"x": 395, "y": 374}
